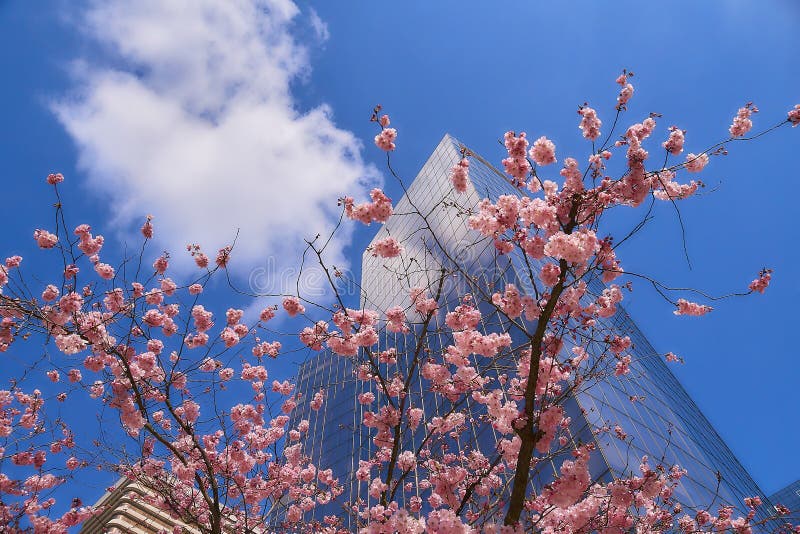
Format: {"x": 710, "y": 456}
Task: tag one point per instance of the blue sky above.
{"x": 133, "y": 117}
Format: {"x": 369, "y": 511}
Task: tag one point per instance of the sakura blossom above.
{"x": 543, "y": 151}
{"x": 292, "y": 306}
{"x": 686, "y": 307}
{"x": 385, "y": 140}
{"x": 742, "y": 122}
{"x": 388, "y": 247}
{"x": 459, "y": 175}
{"x": 696, "y": 163}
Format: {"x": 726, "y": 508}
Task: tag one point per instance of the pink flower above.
{"x": 674, "y": 144}
{"x": 624, "y": 95}
{"x": 201, "y": 260}
{"x": 70, "y": 271}
{"x": 516, "y": 164}
{"x": 575, "y": 248}
{"x": 147, "y": 228}
{"x": 794, "y": 115}
{"x": 96, "y": 390}
{"x": 267, "y": 314}
{"x": 292, "y": 306}
{"x": 13, "y": 261}
{"x": 760, "y": 284}
{"x": 70, "y": 343}
{"x": 543, "y": 151}
{"x": 385, "y": 139}
{"x": 225, "y": 374}
{"x": 50, "y": 293}
{"x": 380, "y": 209}
{"x": 696, "y": 163}
{"x": 54, "y": 179}
{"x": 74, "y": 375}
{"x": 44, "y": 238}
{"x": 396, "y": 319}
{"x": 549, "y": 274}
{"x": 161, "y": 264}
{"x": 104, "y": 270}
{"x": 384, "y": 121}
{"x": 623, "y": 366}
{"x": 590, "y": 123}
{"x": 691, "y": 308}
{"x": 573, "y": 179}
{"x": 459, "y": 175}
{"x": 741, "y": 122}
{"x": 223, "y": 256}
{"x": 195, "y": 289}
{"x": 387, "y": 248}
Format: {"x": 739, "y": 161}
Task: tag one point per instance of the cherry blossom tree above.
{"x": 197, "y": 419}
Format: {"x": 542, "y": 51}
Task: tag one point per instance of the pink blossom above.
{"x": 55, "y": 178}
{"x": 385, "y": 140}
{"x": 760, "y": 284}
{"x": 543, "y": 151}
{"x": 292, "y": 306}
{"x": 202, "y": 318}
{"x": 104, "y": 270}
{"x": 421, "y": 303}
{"x": 575, "y": 248}
{"x": 625, "y": 95}
{"x": 267, "y": 314}
{"x": 201, "y": 260}
{"x": 549, "y": 274}
{"x": 44, "y": 238}
{"x": 674, "y": 144}
{"x": 195, "y": 289}
{"x": 384, "y": 121}
{"x": 97, "y": 389}
{"x": 516, "y": 164}
{"x": 623, "y": 366}
{"x": 590, "y": 123}
{"x": 161, "y": 264}
{"x": 70, "y": 271}
{"x": 316, "y": 401}
{"x": 50, "y": 293}
{"x": 459, "y": 175}
{"x": 378, "y": 210}
{"x": 396, "y": 319}
{"x": 573, "y": 179}
{"x": 696, "y": 163}
{"x": 13, "y": 262}
{"x": 70, "y": 343}
{"x": 794, "y": 115}
{"x": 691, "y": 308}
{"x": 741, "y": 122}
{"x": 147, "y": 228}
{"x": 223, "y": 256}
{"x": 387, "y": 248}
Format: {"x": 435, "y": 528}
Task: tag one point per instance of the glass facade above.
{"x": 649, "y": 403}
{"x": 790, "y": 498}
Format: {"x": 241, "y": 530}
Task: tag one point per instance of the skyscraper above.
{"x": 649, "y": 403}
{"x": 790, "y": 498}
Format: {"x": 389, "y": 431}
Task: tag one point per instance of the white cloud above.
{"x": 320, "y": 28}
{"x": 196, "y": 124}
